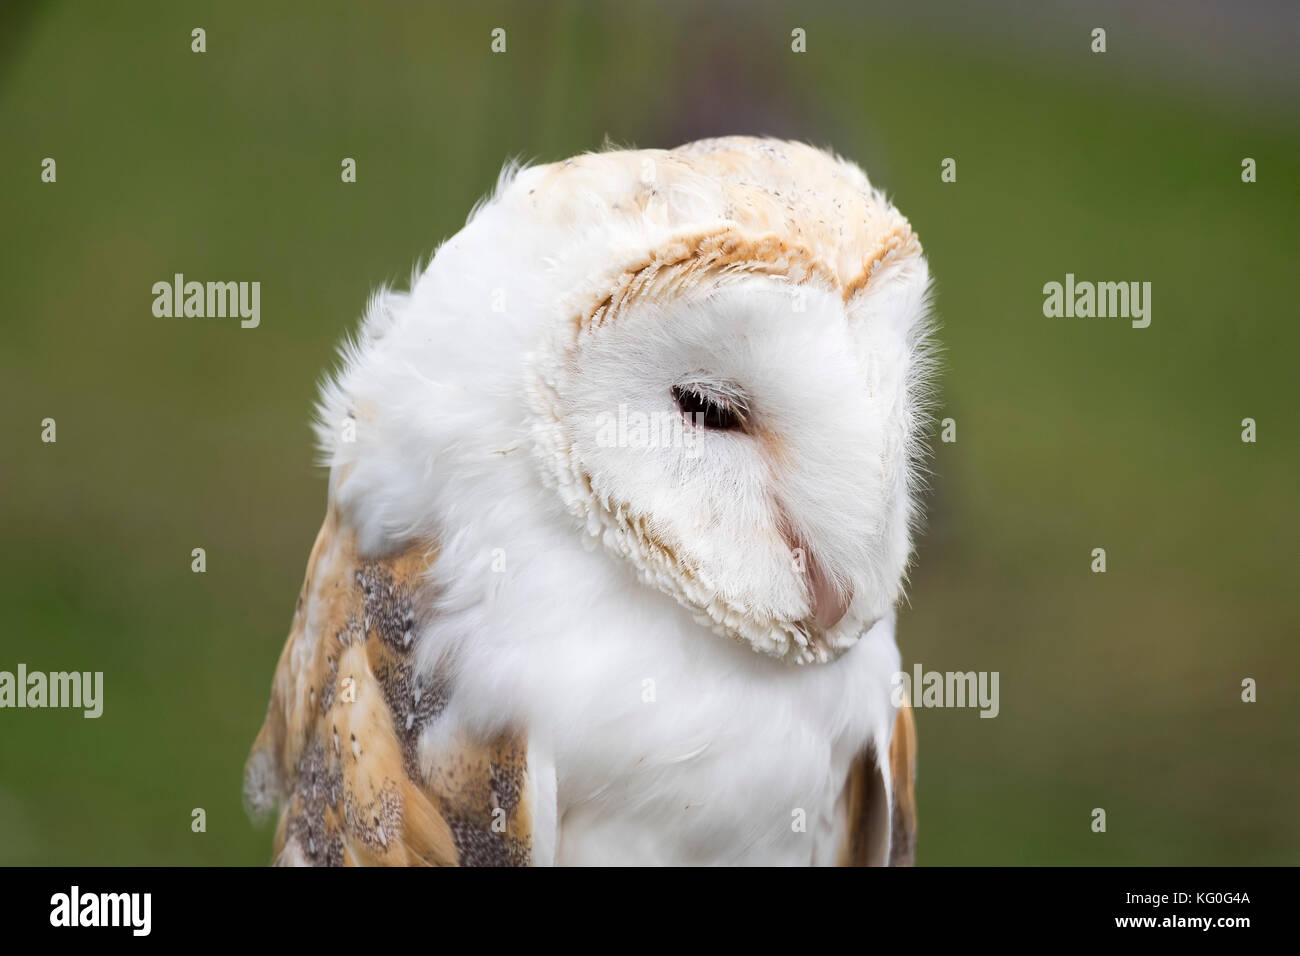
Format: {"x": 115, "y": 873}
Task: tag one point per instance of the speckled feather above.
{"x": 339, "y": 748}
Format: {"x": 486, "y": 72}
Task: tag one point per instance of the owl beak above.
{"x": 829, "y": 604}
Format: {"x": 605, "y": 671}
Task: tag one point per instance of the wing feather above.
{"x": 882, "y": 818}
{"x": 340, "y": 748}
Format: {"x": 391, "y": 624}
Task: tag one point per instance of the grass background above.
{"x": 1119, "y": 690}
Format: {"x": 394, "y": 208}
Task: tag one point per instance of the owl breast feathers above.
{"x": 621, "y": 501}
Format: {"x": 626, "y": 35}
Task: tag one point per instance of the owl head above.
{"x": 710, "y": 362}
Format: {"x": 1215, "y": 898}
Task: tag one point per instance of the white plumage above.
{"x": 582, "y": 622}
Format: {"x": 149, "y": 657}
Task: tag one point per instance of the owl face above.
{"x": 745, "y": 441}
{"x": 717, "y": 356}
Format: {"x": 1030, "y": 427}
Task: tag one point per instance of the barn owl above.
{"x": 621, "y": 499}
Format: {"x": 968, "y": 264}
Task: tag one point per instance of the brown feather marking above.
{"x": 340, "y": 745}
{"x": 869, "y": 828}
{"x": 685, "y": 258}
{"x": 902, "y": 764}
{"x": 482, "y": 793}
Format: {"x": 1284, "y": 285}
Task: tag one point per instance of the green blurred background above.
{"x": 1118, "y": 690}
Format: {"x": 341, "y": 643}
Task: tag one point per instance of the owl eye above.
{"x": 712, "y": 412}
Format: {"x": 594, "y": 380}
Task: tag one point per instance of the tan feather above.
{"x": 902, "y": 762}
{"x": 784, "y": 207}
{"x": 340, "y": 747}
{"x": 881, "y": 826}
